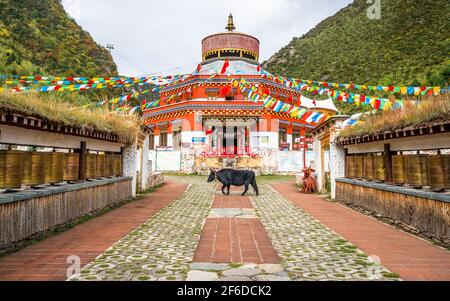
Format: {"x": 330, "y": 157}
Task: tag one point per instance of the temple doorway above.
{"x": 229, "y": 137}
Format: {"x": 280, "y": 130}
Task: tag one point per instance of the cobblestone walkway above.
{"x": 308, "y": 249}
{"x": 162, "y": 248}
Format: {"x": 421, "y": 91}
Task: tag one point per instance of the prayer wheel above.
{"x": 380, "y": 167}
{"x": 425, "y": 174}
{"x": 33, "y": 172}
{"x": 54, "y": 167}
{"x": 359, "y": 167}
{"x": 368, "y": 167}
{"x": 11, "y": 164}
{"x": 350, "y": 166}
{"x": 71, "y": 166}
{"x": 399, "y": 172}
{"x": 416, "y": 176}
{"x": 100, "y": 165}
{"x": 436, "y": 170}
{"x": 446, "y": 159}
{"x": 91, "y": 166}
{"x": 109, "y": 165}
{"x": 117, "y": 165}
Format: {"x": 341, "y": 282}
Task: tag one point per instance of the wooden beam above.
{"x": 82, "y": 162}
{"x": 388, "y": 163}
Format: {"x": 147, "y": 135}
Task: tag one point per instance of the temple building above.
{"x": 207, "y": 115}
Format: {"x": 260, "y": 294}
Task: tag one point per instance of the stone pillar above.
{"x": 317, "y": 146}
{"x": 129, "y": 165}
{"x": 337, "y": 161}
{"x": 145, "y": 171}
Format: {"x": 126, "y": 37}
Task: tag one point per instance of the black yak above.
{"x": 233, "y": 177}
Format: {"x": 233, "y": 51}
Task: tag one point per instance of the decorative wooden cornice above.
{"x": 428, "y": 129}
{"x": 34, "y": 123}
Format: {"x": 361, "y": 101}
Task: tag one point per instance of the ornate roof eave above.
{"x": 224, "y": 79}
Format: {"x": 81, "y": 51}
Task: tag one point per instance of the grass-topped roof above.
{"x": 71, "y": 110}
{"x": 430, "y": 110}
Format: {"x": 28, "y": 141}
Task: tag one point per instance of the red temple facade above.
{"x": 209, "y": 115}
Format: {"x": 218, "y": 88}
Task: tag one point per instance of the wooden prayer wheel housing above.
{"x": 368, "y": 167}
{"x": 380, "y": 168}
{"x": 399, "y": 172}
{"x": 33, "y": 168}
{"x": 11, "y": 164}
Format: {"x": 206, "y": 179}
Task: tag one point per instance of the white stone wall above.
{"x": 18, "y": 135}
{"x": 145, "y": 171}
{"x": 129, "y": 165}
{"x": 317, "y": 146}
{"x": 255, "y": 140}
{"x": 337, "y": 161}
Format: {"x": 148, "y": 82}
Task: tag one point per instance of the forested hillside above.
{"x": 409, "y": 45}
{"x": 38, "y": 37}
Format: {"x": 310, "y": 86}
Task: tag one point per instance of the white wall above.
{"x": 18, "y": 135}
{"x": 255, "y": 140}
{"x": 411, "y": 143}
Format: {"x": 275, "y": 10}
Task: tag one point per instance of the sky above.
{"x": 164, "y": 36}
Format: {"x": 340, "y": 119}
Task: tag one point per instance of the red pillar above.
{"x": 305, "y": 146}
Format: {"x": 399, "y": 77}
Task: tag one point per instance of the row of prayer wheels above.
{"x": 20, "y": 168}
{"x": 414, "y": 170}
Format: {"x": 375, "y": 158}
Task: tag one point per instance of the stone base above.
{"x": 155, "y": 179}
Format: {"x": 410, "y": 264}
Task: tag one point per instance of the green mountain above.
{"x": 38, "y": 37}
{"x": 409, "y": 45}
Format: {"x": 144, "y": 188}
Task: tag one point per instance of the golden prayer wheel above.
{"x": 350, "y": 166}
{"x": 109, "y": 165}
{"x": 414, "y": 171}
{"x": 446, "y": 159}
{"x": 118, "y": 165}
{"x": 11, "y": 163}
{"x": 91, "y": 166}
{"x": 100, "y": 165}
{"x": 33, "y": 171}
{"x": 437, "y": 172}
{"x": 398, "y": 172}
{"x": 54, "y": 167}
{"x": 359, "y": 166}
{"x": 380, "y": 168}
{"x": 71, "y": 166}
{"x": 368, "y": 167}
{"x": 425, "y": 175}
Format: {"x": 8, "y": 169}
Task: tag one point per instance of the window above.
{"x": 151, "y": 142}
{"x": 163, "y": 139}
{"x": 283, "y": 139}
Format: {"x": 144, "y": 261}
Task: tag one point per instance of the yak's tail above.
{"x": 254, "y": 185}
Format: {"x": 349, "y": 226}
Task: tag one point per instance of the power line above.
{"x": 145, "y": 73}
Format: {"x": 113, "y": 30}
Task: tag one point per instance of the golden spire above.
{"x": 230, "y": 26}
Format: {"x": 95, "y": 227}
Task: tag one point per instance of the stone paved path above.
{"x": 162, "y": 248}
{"x": 47, "y": 259}
{"x": 308, "y": 249}
{"x": 409, "y": 256}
